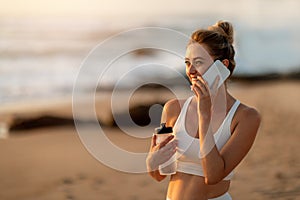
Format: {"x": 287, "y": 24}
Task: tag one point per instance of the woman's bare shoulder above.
{"x": 248, "y": 116}
{"x": 172, "y": 110}
{"x": 249, "y": 112}
{"x": 175, "y": 103}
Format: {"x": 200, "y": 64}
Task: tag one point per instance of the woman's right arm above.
{"x": 162, "y": 152}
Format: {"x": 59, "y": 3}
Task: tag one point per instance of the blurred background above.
{"x": 44, "y": 43}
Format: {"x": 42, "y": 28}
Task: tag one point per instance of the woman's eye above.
{"x": 198, "y": 63}
{"x": 187, "y": 63}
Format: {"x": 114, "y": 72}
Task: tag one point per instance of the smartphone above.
{"x": 215, "y": 70}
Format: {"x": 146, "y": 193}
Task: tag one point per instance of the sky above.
{"x": 269, "y": 25}
{"x": 275, "y": 9}
{"x": 267, "y": 32}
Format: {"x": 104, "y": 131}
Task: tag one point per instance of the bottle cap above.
{"x": 163, "y": 129}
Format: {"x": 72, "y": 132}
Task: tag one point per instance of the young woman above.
{"x": 213, "y": 131}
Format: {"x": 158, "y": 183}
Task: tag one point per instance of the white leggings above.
{"x": 225, "y": 196}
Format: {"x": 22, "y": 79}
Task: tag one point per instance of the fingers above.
{"x": 166, "y": 156}
{"x": 169, "y": 150}
{"x": 201, "y": 83}
{"x": 196, "y": 90}
{"x": 199, "y": 86}
{"x": 153, "y": 141}
{"x": 166, "y": 141}
{"x": 202, "y": 80}
{"x": 171, "y": 146}
{"x": 162, "y": 152}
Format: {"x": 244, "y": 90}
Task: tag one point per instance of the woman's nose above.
{"x": 191, "y": 69}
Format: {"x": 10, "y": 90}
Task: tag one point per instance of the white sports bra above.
{"x": 189, "y": 147}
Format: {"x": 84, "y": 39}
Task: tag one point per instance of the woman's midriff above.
{"x": 192, "y": 187}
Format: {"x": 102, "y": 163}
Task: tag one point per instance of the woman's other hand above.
{"x": 160, "y": 153}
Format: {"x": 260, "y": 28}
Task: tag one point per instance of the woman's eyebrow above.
{"x": 195, "y": 58}
{"x": 199, "y": 58}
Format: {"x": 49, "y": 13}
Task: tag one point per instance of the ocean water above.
{"x": 40, "y": 58}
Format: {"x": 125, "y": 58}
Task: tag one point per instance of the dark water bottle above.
{"x": 170, "y": 166}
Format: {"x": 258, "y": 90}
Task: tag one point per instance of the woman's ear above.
{"x": 225, "y": 62}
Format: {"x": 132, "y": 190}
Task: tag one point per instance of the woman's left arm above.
{"x": 218, "y": 164}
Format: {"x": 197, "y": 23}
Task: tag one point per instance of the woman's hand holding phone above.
{"x": 206, "y": 86}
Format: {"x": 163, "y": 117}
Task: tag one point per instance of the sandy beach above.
{"x": 51, "y": 162}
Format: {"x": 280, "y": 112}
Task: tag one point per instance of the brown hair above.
{"x": 218, "y": 40}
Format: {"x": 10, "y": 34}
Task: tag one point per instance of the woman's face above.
{"x": 197, "y": 60}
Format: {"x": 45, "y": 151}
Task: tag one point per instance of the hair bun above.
{"x": 224, "y": 28}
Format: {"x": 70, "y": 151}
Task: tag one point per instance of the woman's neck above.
{"x": 223, "y": 100}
